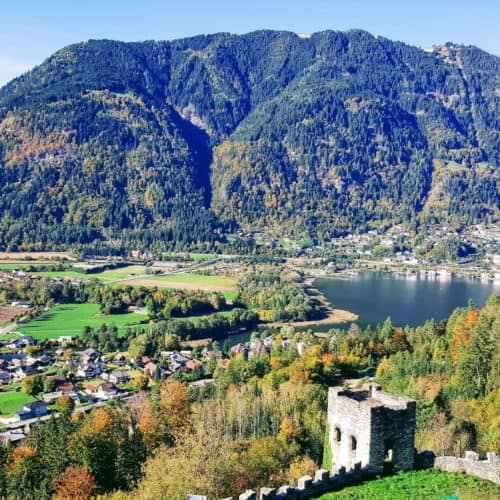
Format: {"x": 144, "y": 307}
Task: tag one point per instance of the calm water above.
{"x": 408, "y": 301}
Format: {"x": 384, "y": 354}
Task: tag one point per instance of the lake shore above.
{"x": 332, "y": 316}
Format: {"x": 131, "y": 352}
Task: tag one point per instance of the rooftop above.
{"x": 371, "y": 395}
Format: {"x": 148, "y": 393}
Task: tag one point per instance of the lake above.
{"x": 408, "y": 300}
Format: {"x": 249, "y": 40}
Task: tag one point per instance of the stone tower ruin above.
{"x": 370, "y": 428}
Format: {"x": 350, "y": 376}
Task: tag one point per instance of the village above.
{"x": 42, "y": 376}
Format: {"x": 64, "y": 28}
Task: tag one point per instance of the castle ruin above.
{"x": 370, "y": 429}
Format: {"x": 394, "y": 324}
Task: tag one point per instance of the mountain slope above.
{"x": 268, "y": 131}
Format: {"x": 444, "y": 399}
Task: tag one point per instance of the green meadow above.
{"x": 196, "y": 279}
{"x": 416, "y": 485}
{"x": 69, "y": 319}
{"x": 9, "y": 266}
{"x": 10, "y": 402}
{"x": 108, "y": 275}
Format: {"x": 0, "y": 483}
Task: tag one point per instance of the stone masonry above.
{"x": 470, "y": 464}
{"x": 368, "y": 427}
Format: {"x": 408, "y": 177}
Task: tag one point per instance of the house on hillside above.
{"x": 4, "y": 377}
{"x": 89, "y": 371}
{"x": 120, "y": 359}
{"x": 44, "y": 360}
{"x": 150, "y": 369}
{"x": 91, "y": 356}
{"x": 51, "y": 397}
{"x": 14, "y": 437}
{"x": 20, "y": 303}
{"x": 192, "y": 364}
{"x": 90, "y": 389}
{"x": 160, "y": 266}
{"x": 118, "y": 377}
{"x": 106, "y": 391}
{"x": 240, "y": 349}
{"x": 27, "y": 340}
{"x": 65, "y": 339}
{"x": 32, "y": 410}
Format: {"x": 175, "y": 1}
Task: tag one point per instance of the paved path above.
{"x": 7, "y": 329}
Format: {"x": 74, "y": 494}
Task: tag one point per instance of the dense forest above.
{"x": 263, "y": 419}
{"x": 176, "y": 144}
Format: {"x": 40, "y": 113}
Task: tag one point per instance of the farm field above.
{"x": 39, "y": 256}
{"x": 109, "y": 275}
{"x": 10, "y": 402}
{"x": 187, "y": 281}
{"x": 427, "y": 484}
{"x": 69, "y": 319}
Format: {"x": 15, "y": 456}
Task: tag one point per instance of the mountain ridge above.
{"x": 314, "y": 136}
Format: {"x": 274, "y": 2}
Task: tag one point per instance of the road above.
{"x": 7, "y": 329}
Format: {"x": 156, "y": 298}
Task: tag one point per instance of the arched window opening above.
{"x": 338, "y": 435}
{"x": 388, "y": 455}
{"x": 354, "y": 443}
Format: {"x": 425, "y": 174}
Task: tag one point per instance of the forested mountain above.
{"x": 182, "y": 141}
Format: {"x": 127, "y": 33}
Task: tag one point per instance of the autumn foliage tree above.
{"x": 76, "y": 482}
{"x": 174, "y": 408}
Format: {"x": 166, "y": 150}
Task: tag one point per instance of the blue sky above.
{"x": 33, "y": 29}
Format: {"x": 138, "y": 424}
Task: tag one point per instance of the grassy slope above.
{"x": 69, "y": 319}
{"x": 428, "y": 484}
{"x": 110, "y": 274}
{"x": 200, "y": 279}
{"x": 10, "y": 402}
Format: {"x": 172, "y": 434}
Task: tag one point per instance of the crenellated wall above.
{"x": 322, "y": 482}
{"x": 308, "y": 486}
{"x": 485, "y": 469}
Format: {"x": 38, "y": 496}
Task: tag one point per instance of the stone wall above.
{"x": 323, "y": 482}
{"x": 485, "y": 469}
{"x": 308, "y": 486}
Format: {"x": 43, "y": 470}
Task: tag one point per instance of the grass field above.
{"x": 197, "y": 318}
{"x": 188, "y": 281}
{"x": 69, "y": 319}
{"x": 197, "y": 279}
{"x": 202, "y": 256}
{"x": 109, "y": 275}
{"x": 416, "y": 485}
{"x": 40, "y": 256}
{"x": 63, "y": 274}
{"x": 9, "y": 336}
{"x": 9, "y": 266}
{"x": 10, "y": 402}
